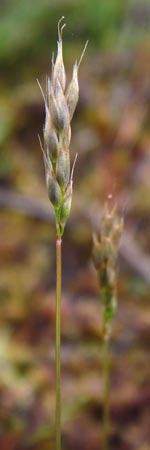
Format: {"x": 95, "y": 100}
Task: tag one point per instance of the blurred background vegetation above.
{"x": 111, "y": 132}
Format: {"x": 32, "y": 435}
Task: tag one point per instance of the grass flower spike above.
{"x": 105, "y": 250}
{"x": 60, "y": 104}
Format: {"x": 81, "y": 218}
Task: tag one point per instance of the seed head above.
{"x": 59, "y": 109}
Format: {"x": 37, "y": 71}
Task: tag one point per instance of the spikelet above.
{"x": 63, "y": 169}
{"x": 58, "y": 107}
{"x": 54, "y": 191}
{"x": 59, "y": 110}
{"x": 72, "y": 94}
{"x": 65, "y": 211}
{"x": 51, "y": 140}
{"x": 59, "y": 73}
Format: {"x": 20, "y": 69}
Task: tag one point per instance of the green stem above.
{"x": 106, "y": 423}
{"x": 58, "y": 340}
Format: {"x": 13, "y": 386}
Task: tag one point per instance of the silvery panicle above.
{"x": 60, "y": 105}
{"x": 105, "y": 249}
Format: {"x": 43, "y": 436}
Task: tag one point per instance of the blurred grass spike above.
{"x": 105, "y": 250}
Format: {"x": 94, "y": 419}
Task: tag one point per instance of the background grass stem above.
{"x": 106, "y": 419}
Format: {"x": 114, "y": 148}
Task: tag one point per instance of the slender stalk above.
{"x": 58, "y": 341}
{"x": 106, "y": 423}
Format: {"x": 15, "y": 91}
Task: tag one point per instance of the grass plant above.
{"x": 105, "y": 249}
{"x": 60, "y": 104}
